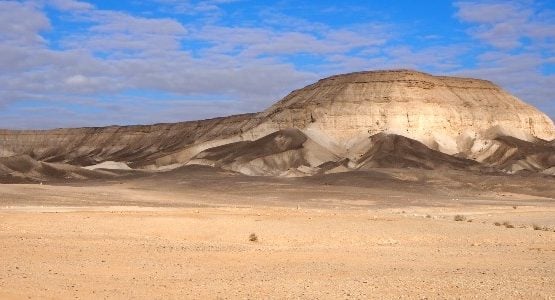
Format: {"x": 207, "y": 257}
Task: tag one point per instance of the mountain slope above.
{"x": 23, "y": 168}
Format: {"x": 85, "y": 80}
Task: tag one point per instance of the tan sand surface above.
{"x": 135, "y": 240}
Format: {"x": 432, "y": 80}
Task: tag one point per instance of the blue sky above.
{"x": 94, "y": 63}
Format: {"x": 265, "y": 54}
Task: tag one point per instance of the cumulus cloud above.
{"x": 504, "y": 24}
{"x": 521, "y": 37}
{"x": 22, "y": 23}
{"x": 118, "y": 33}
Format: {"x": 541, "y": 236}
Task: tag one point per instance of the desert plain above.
{"x": 188, "y": 233}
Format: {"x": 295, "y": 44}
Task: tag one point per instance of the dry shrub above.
{"x": 508, "y": 225}
{"x": 459, "y": 218}
{"x": 538, "y": 227}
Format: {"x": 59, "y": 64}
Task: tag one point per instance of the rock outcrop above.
{"x": 346, "y": 122}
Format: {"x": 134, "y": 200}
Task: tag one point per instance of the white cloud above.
{"x": 521, "y": 35}
{"x": 70, "y": 5}
{"x": 504, "y": 24}
{"x": 254, "y": 42}
{"x": 76, "y": 80}
{"x": 210, "y": 9}
{"x": 491, "y": 13}
{"x": 21, "y": 23}
{"x": 117, "y": 33}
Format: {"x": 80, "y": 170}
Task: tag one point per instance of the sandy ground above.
{"x": 154, "y": 241}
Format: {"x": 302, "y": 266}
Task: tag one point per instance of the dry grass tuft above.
{"x": 253, "y": 237}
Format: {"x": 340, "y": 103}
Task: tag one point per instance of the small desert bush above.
{"x": 459, "y": 218}
{"x": 428, "y": 216}
{"x": 253, "y": 237}
{"x": 508, "y": 225}
{"x": 497, "y": 224}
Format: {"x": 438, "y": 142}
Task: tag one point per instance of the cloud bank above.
{"x": 74, "y": 63}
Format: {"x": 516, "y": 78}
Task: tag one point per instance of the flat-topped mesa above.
{"x": 341, "y": 123}
{"x": 442, "y": 112}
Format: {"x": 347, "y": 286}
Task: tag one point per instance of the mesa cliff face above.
{"x": 346, "y": 122}
{"x": 445, "y": 113}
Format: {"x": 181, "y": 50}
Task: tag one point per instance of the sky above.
{"x": 69, "y": 63}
